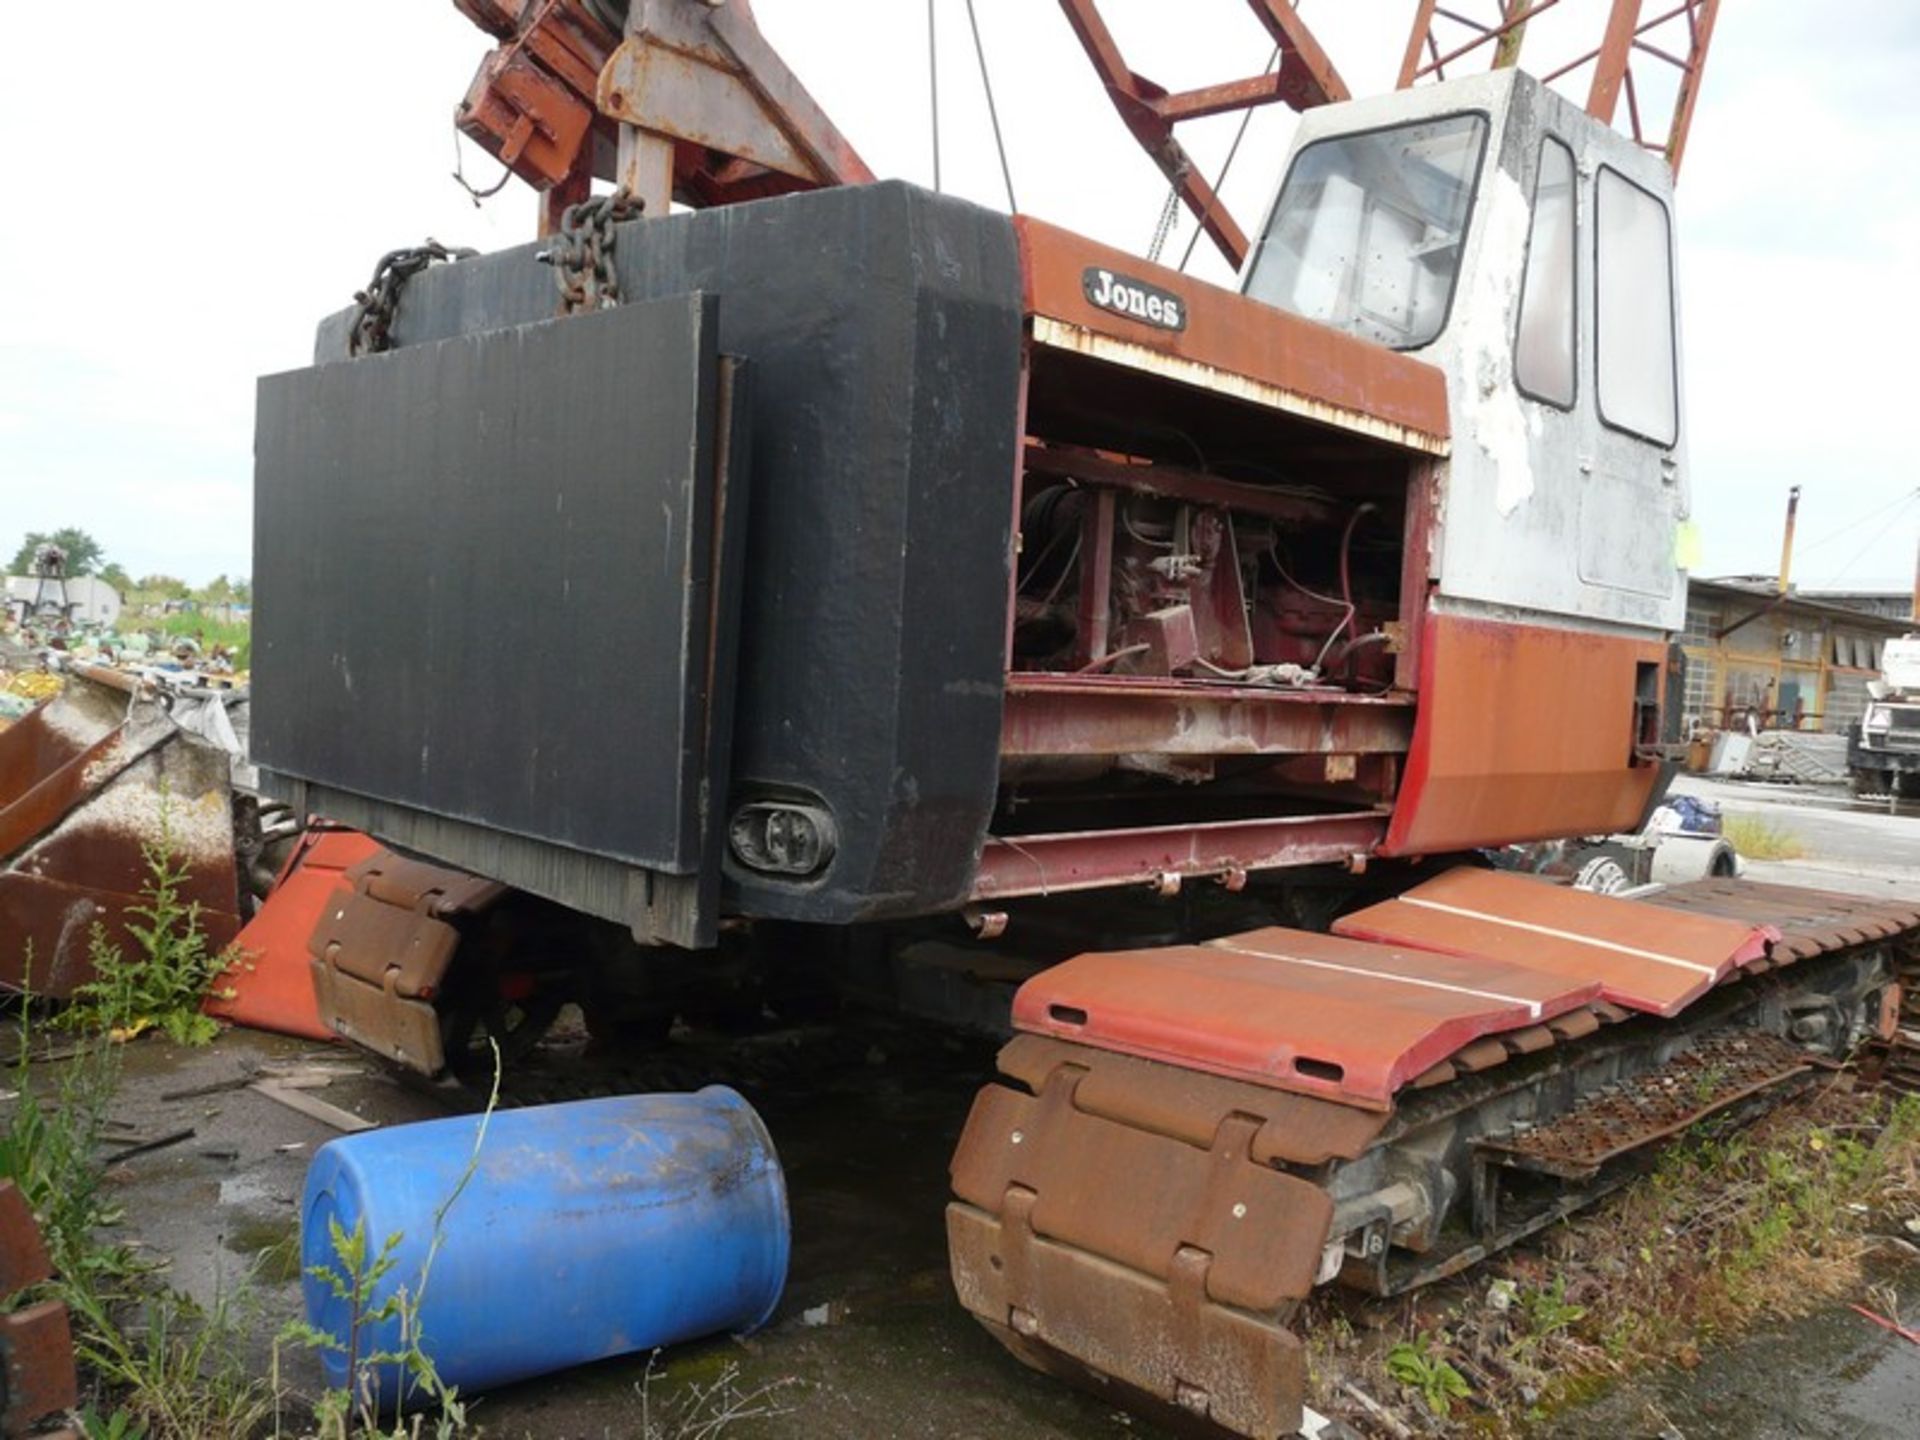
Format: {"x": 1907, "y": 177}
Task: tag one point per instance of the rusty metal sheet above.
{"x": 1310, "y": 1013}
{"x": 36, "y": 1353}
{"x": 428, "y": 889}
{"x": 1049, "y": 1303}
{"x": 271, "y": 986}
{"x": 23, "y": 1254}
{"x": 1138, "y": 1198}
{"x": 1231, "y": 345}
{"x": 37, "y": 1375}
{"x": 1012, "y": 865}
{"x": 88, "y": 781}
{"x": 1551, "y": 758}
{"x": 380, "y": 953}
{"x": 1643, "y": 957}
{"x": 1164, "y": 1266}
{"x": 1187, "y": 1104}
{"x": 384, "y": 945}
{"x": 1119, "y": 715}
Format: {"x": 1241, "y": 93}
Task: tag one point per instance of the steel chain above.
{"x": 372, "y": 330}
{"x": 581, "y": 251}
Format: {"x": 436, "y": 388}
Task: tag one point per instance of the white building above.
{"x": 94, "y": 601}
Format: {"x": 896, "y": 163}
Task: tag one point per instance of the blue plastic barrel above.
{"x": 588, "y": 1230}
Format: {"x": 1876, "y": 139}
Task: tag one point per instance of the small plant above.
{"x": 1413, "y": 1365}
{"x": 1707, "y": 1082}
{"x": 178, "y": 1368}
{"x": 1760, "y": 839}
{"x": 48, "y": 1149}
{"x": 173, "y": 969}
{"x": 117, "y": 1426}
{"x": 703, "y": 1410}
{"x": 1548, "y": 1312}
{"x": 356, "y": 1276}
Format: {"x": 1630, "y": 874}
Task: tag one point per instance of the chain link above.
{"x": 373, "y": 321}
{"x": 1162, "y": 231}
{"x": 581, "y": 251}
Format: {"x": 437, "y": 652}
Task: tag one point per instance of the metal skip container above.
{"x": 586, "y": 1230}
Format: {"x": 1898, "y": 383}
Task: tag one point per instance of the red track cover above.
{"x": 1298, "y": 1011}
{"x": 271, "y": 988}
{"x": 1645, "y": 957}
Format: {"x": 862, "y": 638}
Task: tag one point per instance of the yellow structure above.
{"x": 1799, "y": 663}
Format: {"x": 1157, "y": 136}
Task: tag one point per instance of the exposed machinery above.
{"x": 901, "y": 562}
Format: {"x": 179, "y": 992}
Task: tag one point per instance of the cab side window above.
{"x": 1543, "y": 356}
{"x": 1634, "y": 311}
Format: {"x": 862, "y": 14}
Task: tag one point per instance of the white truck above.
{"x": 1883, "y": 746}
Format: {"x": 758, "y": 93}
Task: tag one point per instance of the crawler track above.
{"x": 1150, "y": 1229}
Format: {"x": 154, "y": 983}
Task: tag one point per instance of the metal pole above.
{"x": 1916, "y": 587}
{"x": 1786, "y": 544}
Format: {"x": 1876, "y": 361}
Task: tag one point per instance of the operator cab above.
{"x": 1495, "y": 229}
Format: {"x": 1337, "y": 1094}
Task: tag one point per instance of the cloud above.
{"x": 279, "y": 162}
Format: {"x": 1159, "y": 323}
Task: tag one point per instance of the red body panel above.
{"x": 1312, "y": 370}
{"x": 1524, "y": 732}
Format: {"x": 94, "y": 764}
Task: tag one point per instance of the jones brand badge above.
{"x": 1134, "y": 299}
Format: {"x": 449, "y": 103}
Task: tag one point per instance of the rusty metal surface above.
{"x": 729, "y": 120}
{"x": 1186, "y": 1104}
{"x": 1168, "y": 1264}
{"x": 1232, "y": 345}
{"x": 88, "y": 781}
{"x": 36, "y": 1351}
{"x": 1674, "y": 36}
{"x": 1173, "y": 482}
{"x": 1244, "y": 1215}
{"x": 380, "y": 953}
{"x": 1897, "y": 1053}
{"x": 1552, "y": 757}
{"x": 1722, "y": 1070}
{"x": 23, "y": 1254}
{"x": 271, "y": 987}
{"x": 37, "y": 1374}
{"x": 1012, "y": 865}
{"x": 1114, "y": 715}
{"x": 1087, "y": 1239}
{"x": 1310, "y": 1013}
{"x": 1643, "y": 957}
{"x": 1300, "y": 76}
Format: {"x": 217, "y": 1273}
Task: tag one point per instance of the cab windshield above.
{"x": 1366, "y": 235}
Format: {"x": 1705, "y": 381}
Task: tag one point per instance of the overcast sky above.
{"x": 186, "y": 201}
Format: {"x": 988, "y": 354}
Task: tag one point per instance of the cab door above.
{"x": 1633, "y": 491}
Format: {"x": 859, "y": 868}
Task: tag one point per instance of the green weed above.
{"x": 355, "y": 1276}
{"x": 173, "y": 968}
{"x": 49, "y": 1147}
{"x": 1412, "y": 1364}
{"x": 178, "y": 1367}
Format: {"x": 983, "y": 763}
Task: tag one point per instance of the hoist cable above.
{"x": 993, "y": 111}
{"x": 1226, "y": 167}
{"x": 933, "y": 89}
